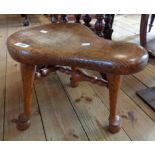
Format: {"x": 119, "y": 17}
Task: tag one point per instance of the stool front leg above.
{"x": 27, "y": 72}
{"x": 114, "y": 86}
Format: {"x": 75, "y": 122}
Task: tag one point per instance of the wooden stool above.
{"x": 76, "y": 46}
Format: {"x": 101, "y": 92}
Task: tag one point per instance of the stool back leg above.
{"x": 27, "y": 72}
{"x": 114, "y": 86}
{"x": 74, "y": 79}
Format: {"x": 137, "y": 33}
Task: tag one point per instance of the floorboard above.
{"x": 90, "y": 111}
{"x": 59, "y": 118}
{"x": 3, "y": 58}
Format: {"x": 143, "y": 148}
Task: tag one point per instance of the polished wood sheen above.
{"x": 114, "y": 86}
{"x": 27, "y": 72}
{"x": 76, "y": 46}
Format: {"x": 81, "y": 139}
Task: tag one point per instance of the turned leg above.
{"x": 74, "y": 78}
{"x": 27, "y": 72}
{"x": 114, "y": 85}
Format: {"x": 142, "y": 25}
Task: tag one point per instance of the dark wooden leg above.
{"x": 114, "y": 86}
{"x": 151, "y": 21}
{"x": 108, "y": 26}
{"x": 99, "y": 26}
{"x": 112, "y": 19}
{"x": 143, "y": 33}
{"x": 64, "y": 18}
{"x": 54, "y": 18}
{"x": 25, "y": 20}
{"x": 87, "y": 20}
{"x": 143, "y": 30}
{"x": 77, "y": 18}
{"x": 147, "y": 95}
{"x": 27, "y": 72}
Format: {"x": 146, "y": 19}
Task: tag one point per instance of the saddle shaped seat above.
{"x": 76, "y": 46}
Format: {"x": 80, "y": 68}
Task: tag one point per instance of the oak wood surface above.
{"x": 85, "y": 49}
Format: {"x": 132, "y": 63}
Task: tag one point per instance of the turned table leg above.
{"x": 114, "y": 85}
{"x": 27, "y": 72}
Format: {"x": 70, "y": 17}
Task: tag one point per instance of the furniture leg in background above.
{"x": 25, "y": 20}
{"x": 151, "y": 21}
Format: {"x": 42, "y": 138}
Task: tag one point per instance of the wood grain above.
{"x": 90, "y": 112}
{"x": 86, "y": 49}
{"x": 133, "y": 116}
{"x": 3, "y": 55}
{"x": 130, "y": 85}
{"x": 147, "y": 77}
{"x": 59, "y": 118}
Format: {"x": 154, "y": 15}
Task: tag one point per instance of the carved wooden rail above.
{"x": 77, "y": 75}
{"x": 102, "y": 26}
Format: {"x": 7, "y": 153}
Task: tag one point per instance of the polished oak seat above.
{"x": 76, "y": 46}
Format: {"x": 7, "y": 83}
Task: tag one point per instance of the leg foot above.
{"x": 23, "y": 122}
{"x": 114, "y": 86}
{"x": 115, "y": 126}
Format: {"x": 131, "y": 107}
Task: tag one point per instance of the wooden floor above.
{"x": 59, "y": 111}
